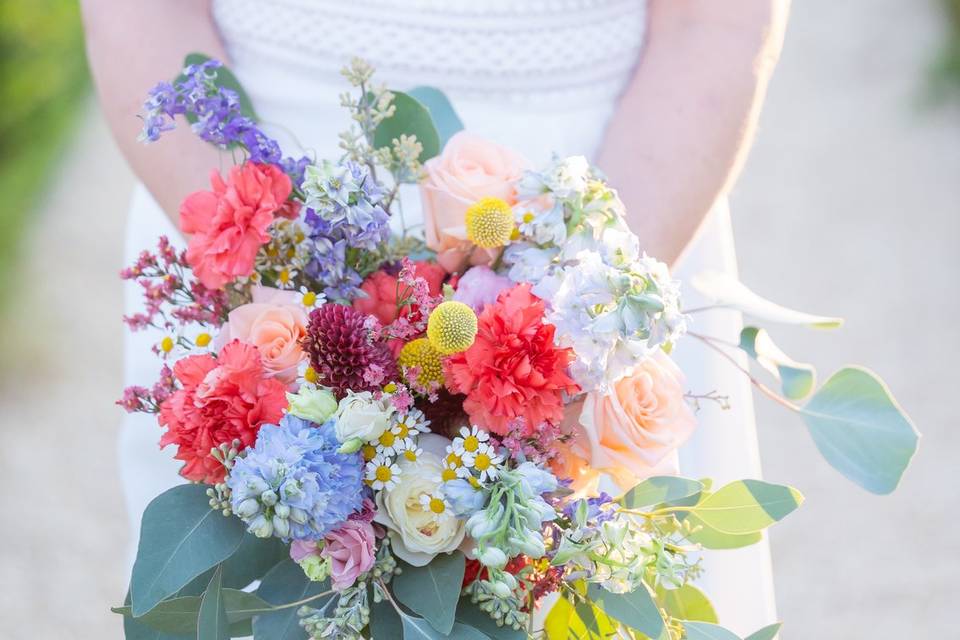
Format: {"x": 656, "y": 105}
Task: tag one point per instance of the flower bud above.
{"x": 298, "y": 515}
{"x": 281, "y": 527}
{"x": 282, "y": 511}
{"x": 247, "y": 508}
{"x": 492, "y": 557}
{"x": 501, "y": 589}
{"x": 261, "y": 527}
{"x": 351, "y": 446}
{"x": 268, "y": 498}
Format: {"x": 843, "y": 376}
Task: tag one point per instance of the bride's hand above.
{"x": 680, "y": 135}
{"x": 130, "y": 45}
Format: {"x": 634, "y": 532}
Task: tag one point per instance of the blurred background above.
{"x": 849, "y": 206}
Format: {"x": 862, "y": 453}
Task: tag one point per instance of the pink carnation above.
{"x": 229, "y": 224}
{"x": 222, "y": 399}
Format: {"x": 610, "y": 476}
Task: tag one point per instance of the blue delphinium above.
{"x": 293, "y": 483}
{"x": 217, "y": 116}
{"x": 345, "y": 214}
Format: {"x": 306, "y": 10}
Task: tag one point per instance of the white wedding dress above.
{"x": 540, "y": 76}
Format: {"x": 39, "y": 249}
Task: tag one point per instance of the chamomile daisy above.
{"x": 433, "y": 504}
{"x": 390, "y": 444}
{"x": 412, "y": 452}
{"x": 410, "y": 424}
{"x": 309, "y": 299}
{"x": 469, "y": 440}
{"x": 485, "y": 462}
{"x": 382, "y": 473}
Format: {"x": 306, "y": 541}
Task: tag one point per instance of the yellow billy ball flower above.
{"x": 489, "y": 223}
{"x": 420, "y": 353}
{"x": 452, "y": 327}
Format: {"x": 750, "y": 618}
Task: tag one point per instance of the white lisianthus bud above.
{"x": 313, "y": 404}
{"x": 360, "y": 415}
{"x": 351, "y": 446}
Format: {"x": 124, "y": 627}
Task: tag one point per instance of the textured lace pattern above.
{"x": 574, "y": 51}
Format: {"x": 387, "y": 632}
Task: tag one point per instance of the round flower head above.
{"x": 421, "y": 354}
{"x": 294, "y": 483}
{"x": 489, "y": 223}
{"x": 452, "y": 327}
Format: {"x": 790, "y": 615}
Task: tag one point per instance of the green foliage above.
{"x": 411, "y": 118}
{"x": 860, "y": 429}
{"x": 747, "y": 506}
{"x": 433, "y": 590}
{"x": 43, "y": 75}
{"x": 767, "y": 633}
{"x": 283, "y": 584}
{"x": 797, "y": 379}
{"x": 384, "y": 620}
{"x": 251, "y": 561}
{"x": 659, "y": 489}
{"x": 635, "y": 609}
{"x": 444, "y": 116}
{"x": 470, "y": 614}
{"x": 212, "y": 621}
{"x": 707, "y": 631}
{"x": 180, "y": 538}
{"x": 946, "y": 68}
{"x": 583, "y": 621}
{"x": 687, "y": 603}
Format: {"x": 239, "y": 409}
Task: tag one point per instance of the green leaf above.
{"x": 249, "y": 562}
{"x": 177, "y": 616}
{"x": 444, "y": 116}
{"x": 225, "y": 79}
{"x": 707, "y": 631}
{"x": 419, "y": 629}
{"x": 133, "y": 629}
{"x": 659, "y": 489}
{"x": 385, "y": 622}
{"x": 767, "y": 633}
{"x": 470, "y": 614}
{"x": 212, "y": 621}
{"x": 861, "y": 430}
{"x": 726, "y": 291}
{"x": 797, "y": 379}
{"x": 581, "y": 622}
{"x": 180, "y": 538}
{"x": 712, "y": 539}
{"x": 411, "y": 118}
{"x": 747, "y": 506}
{"x": 283, "y": 584}
{"x": 687, "y": 603}
{"x": 635, "y": 609}
{"x": 433, "y": 590}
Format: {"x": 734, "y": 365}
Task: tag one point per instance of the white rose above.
{"x": 360, "y": 415}
{"x": 417, "y": 534}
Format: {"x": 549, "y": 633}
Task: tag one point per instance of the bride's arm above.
{"x": 131, "y": 46}
{"x": 686, "y": 120}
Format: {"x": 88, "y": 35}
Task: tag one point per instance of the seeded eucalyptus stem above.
{"x": 764, "y": 389}
{"x": 291, "y": 604}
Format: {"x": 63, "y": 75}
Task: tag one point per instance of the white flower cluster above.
{"x": 609, "y": 301}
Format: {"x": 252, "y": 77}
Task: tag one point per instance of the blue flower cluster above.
{"x": 293, "y": 483}
{"x": 217, "y": 116}
{"x": 345, "y": 214}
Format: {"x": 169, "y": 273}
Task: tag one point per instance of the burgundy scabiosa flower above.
{"x": 342, "y": 352}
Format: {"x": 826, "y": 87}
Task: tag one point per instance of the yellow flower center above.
{"x": 387, "y": 439}
{"x": 489, "y": 223}
{"x": 402, "y": 430}
{"x": 452, "y": 327}
{"x": 369, "y": 452}
{"x": 203, "y": 339}
{"x": 384, "y": 473}
{"x": 410, "y": 455}
{"x": 310, "y": 375}
{"x": 166, "y": 344}
{"x": 448, "y": 475}
{"x": 420, "y": 353}
{"x": 481, "y": 462}
{"x": 454, "y": 460}
{"x": 284, "y": 276}
{"x": 309, "y": 299}
{"x": 528, "y": 217}
{"x": 471, "y": 443}
{"x": 474, "y": 482}
{"x": 437, "y": 506}
{"x": 390, "y": 387}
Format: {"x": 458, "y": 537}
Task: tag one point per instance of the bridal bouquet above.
{"x": 465, "y": 430}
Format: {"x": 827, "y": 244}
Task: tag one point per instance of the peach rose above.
{"x": 469, "y": 168}
{"x": 274, "y": 324}
{"x": 633, "y": 430}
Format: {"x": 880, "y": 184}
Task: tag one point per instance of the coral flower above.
{"x": 513, "y": 368}
{"x": 383, "y": 287}
{"x": 222, "y": 399}
{"x": 229, "y": 224}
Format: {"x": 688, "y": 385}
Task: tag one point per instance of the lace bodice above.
{"x": 563, "y": 52}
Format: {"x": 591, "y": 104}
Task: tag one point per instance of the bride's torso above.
{"x": 541, "y": 76}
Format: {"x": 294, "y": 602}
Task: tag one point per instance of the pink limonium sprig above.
{"x": 138, "y": 399}
{"x": 414, "y": 303}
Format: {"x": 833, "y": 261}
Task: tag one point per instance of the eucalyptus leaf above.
{"x": 410, "y": 118}
{"x": 797, "y": 379}
{"x": 212, "y": 621}
{"x": 636, "y": 609}
{"x": 134, "y": 629}
{"x": 444, "y": 116}
{"x": 726, "y": 290}
{"x": 659, "y": 489}
{"x": 767, "y": 633}
{"x": 415, "y": 628}
{"x": 180, "y": 538}
{"x": 432, "y": 591}
{"x": 712, "y": 539}
{"x": 687, "y": 603}
{"x": 283, "y": 584}
{"x": 178, "y": 616}
{"x": 249, "y": 562}
{"x": 582, "y": 621}
{"x": 385, "y": 622}
{"x": 707, "y": 631}
{"x": 470, "y": 614}
{"x": 226, "y": 79}
{"x": 861, "y": 430}
{"x": 747, "y": 506}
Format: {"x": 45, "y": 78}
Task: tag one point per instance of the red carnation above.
{"x": 342, "y": 353}
{"x": 513, "y": 368}
{"x": 221, "y": 399}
